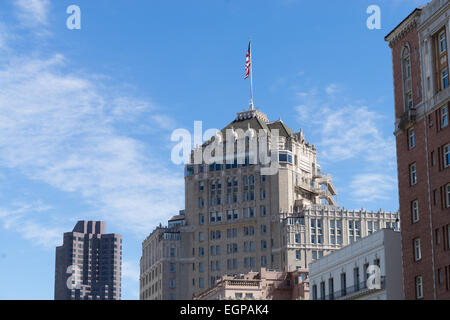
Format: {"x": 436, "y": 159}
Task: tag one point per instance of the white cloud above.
{"x": 332, "y": 89}
{"x": 348, "y": 130}
{"x": 372, "y": 187}
{"x": 58, "y": 128}
{"x": 33, "y": 12}
{"x": 26, "y": 219}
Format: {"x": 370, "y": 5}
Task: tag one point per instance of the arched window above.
{"x": 406, "y": 58}
{"x": 407, "y": 73}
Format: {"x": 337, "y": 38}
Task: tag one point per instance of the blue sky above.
{"x": 86, "y": 115}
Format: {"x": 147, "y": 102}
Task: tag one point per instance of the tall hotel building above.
{"x": 237, "y": 220}
{"x": 88, "y": 264}
{"x": 421, "y": 84}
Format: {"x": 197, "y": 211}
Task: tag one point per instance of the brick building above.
{"x": 421, "y": 87}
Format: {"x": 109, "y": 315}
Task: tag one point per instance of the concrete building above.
{"x": 263, "y": 285}
{"x": 238, "y": 220}
{"x": 165, "y": 261}
{"x": 242, "y": 220}
{"x": 88, "y": 264}
{"x": 422, "y": 94}
{"x": 344, "y": 274}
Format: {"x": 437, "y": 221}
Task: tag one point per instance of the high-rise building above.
{"x": 421, "y": 85}
{"x": 88, "y": 264}
{"x": 238, "y": 219}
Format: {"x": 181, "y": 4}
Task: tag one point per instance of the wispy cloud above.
{"x": 371, "y": 187}
{"x": 349, "y": 130}
{"x": 62, "y": 132}
{"x": 33, "y": 12}
{"x": 332, "y": 89}
{"x": 27, "y": 220}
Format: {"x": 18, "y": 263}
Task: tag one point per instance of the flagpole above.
{"x": 251, "y": 78}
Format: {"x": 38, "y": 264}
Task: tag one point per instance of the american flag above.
{"x": 248, "y": 61}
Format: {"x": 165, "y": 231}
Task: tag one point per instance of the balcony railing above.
{"x": 349, "y": 292}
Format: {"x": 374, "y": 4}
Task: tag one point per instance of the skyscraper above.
{"x": 88, "y": 264}
{"x": 422, "y": 99}
{"x": 239, "y": 219}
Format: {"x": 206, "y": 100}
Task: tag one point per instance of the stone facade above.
{"x": 163, "y": 264}
{"x": 238, "y": 220}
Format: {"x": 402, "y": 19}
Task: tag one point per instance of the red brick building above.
{"x": 422, "y": 99}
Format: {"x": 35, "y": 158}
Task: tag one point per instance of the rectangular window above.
{"x": 409, "y": 100}
{"x": 297, "y": 254}
{"x": 448, "y": 195}
{"x": 444, "y": 78}
{"x": 263, "y": 244}
{"x": 263, "y": 211}
{"x": 314, "y": 292}
{"x": 263, "y": 229}
{"x": 444, "y": 117}
{"x": 322, "y": 291}
{"x": 447, "y": 156}
{"x": 263, "y": 261}
{"x": 419, "y": 288}
{"x": 415, "y": 211}
{"x": 417, "y": 250}
{"x": 411, "y": 138}
{"x": 442, "y": 42}
{"x": 263, "y": 194}
{"x": 413, "y": 174}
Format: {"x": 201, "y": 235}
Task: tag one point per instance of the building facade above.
{"x": 88, "y": 264}
{"x": 165, "y": 261}
{"x": 238, "y": 219}
{"x": 345, "y": 274}
{"x": 421, "y": 85}
{"x": 243, "y": 220}
{"x": 263, "y": 285}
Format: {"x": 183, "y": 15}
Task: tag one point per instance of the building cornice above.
{"x": 403, "y": 28}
